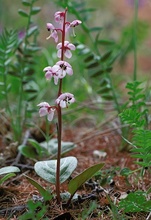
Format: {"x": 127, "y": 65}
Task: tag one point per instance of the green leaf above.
{"x": 106, "y": 56}
{"x": 135, "y": 202}
{"x": 33, "y": 151}
{"x": 89, "y": 58}
{"x": 125, "y": 172}
{"x": 75, "y": 183}
{"x": 26, "y": 3}
{"x": 106, "y": 42}
{"x": 93, "y": 29}
{"x": 6, "y": 177}
{"x": 35, "y": 10}
{"x": 93, "y": 64}
{"x": 9, "y": 169}
{"x": 32, "y": 30}
{"x": 85, "y": 10}
{"x": 47, "y": 169}
{"x": 101, "y": 71}
{"x": 23, "y": 13}
{"x": 52, "y": 146}
{"x": 45, "y": 194}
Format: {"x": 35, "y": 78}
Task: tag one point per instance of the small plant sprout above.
{"x": 60, "y": 169}
{"x": 9, "y": 172}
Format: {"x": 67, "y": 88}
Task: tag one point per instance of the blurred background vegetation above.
{"x": 115, "y": 18}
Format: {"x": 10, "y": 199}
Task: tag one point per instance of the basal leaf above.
{"x": 45, "y": 194}
{"x": 52, "y": 146}
{"x": 30, "y": 151}
{"x": 75, "y": 183}
{"x": 47, "y": 169}
{"x": 9, "y": 169}
{"x": 6, "y": 177}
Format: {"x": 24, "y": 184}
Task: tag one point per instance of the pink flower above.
{"x": 46, "y": 109}
{"x": 64, "y": 68}
{"x": 67, "y": 47}
{"x": 75, "y": 23}
{"x": 53, "y": 32}
{"x": 65, "y": 99}
{"x": 52, "y": 72}
{"x": 59, "y": 16}
{"x": 72, "y": 24}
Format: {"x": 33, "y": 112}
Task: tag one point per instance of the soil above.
{"x": 90, "y": 140}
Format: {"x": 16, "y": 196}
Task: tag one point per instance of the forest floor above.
{"x": 94, "y": 145}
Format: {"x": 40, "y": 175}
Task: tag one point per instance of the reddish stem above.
{"x": 59, "y": 125}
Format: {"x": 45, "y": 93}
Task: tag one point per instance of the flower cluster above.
{"x": 61, "y": 68}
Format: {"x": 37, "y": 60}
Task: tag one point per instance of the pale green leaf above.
{"x": 52, "y": 146}
{"x": 47, "y": 169}
{"x": 9, "y": 169}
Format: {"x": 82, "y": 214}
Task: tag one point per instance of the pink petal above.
{"x": 60, "y": 62}
{"x": 59, "y": 53}
{"x": 68, "y": 54}
{"x": 48, "y": 68}
{"x": 72, "y": 100}
{"x": 55, "y": 80}
{"x": 48, "y": 75}
{"x": 59, "y": 16}
{"x": 69, "y": 71}
{"x": 67, "y": 27}
{"x": 71, "y": 46}
{"x": 57, "y": 101}
{"x": 62, "y": 74}
{"x": 59, "y": 46}
{"x": 43, "y": 111}
{"x": 55, "y": 69}
{"x": 51, "y": 115}
{"x": 62, "y": 96}
{"x": 50, "y": 26}
{"x": 54, "y": 35}
{"x": 63, "y": 104}
{"x": 66, "y": 43}
{"x": 75, "y": 23}
{"x": 43, "y": 104}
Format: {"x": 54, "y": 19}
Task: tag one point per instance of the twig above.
{"x": 13, "y": 209}
{"x": 148, "y": 217}
{"x": 16, "y": 178}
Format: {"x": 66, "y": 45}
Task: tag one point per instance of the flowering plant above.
{"x": 60, "y": 70}
{"x": 59, "y": 170}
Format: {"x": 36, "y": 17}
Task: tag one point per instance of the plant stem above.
{"x": 135, "y": 40}
{"x": 59, "y": 125}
